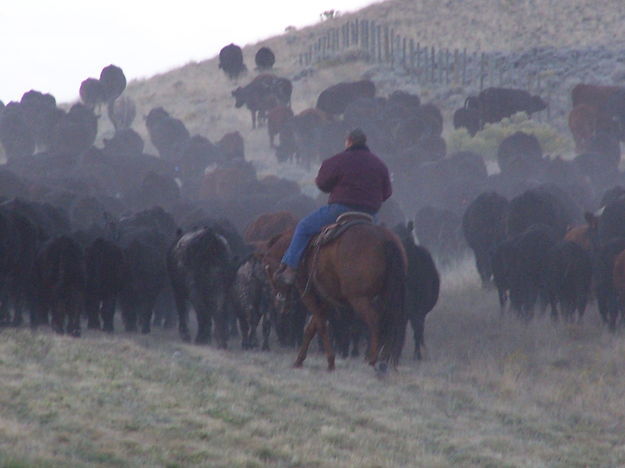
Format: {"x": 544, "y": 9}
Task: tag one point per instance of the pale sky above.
{"x": 52, "y": 45}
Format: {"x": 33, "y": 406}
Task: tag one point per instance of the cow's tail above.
{"x": 393, "y": 319}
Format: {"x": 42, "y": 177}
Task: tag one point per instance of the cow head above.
{"x": 239, "y": 96}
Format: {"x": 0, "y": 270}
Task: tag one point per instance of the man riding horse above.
{"x": 356, "y": 179}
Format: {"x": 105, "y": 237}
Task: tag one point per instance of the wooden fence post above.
{"x": 379, "y": 42}
{"x": 404, "y": 49}
{"x": 482, "y": 70}
{"x": 411, "y": 59}
{"x": 385, "y": 43}
{"x": 464, "y": 67}
{"x": 433, "y": 65}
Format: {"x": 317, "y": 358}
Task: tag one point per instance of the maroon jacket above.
{"x": 355, "y": 177}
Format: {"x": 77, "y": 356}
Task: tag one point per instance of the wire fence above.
{"x": 380, "y": 44}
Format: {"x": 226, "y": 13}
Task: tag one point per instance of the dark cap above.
{"x": 357, "y": 137}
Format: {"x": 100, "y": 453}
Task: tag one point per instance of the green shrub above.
{"x": 486, "y": 141}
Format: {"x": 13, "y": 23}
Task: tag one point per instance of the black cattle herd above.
{"x": 88, "y": 230}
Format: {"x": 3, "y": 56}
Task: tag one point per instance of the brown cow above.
{"x": 593, "y": 113}
{"x": 582, "y": 235}
{"x": 583, "y": 125}
{"x": 232, "y": 146}
{"x": 226, "y": 182}
{"x": 299, "y": 137}
{"x": 267, "y": 225}
{"x": 263, "y": 93}
{"x": 276, "y": 118}
{"x": 594, "y": 95}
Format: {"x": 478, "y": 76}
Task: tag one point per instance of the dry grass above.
{"x": 491, "y": 393}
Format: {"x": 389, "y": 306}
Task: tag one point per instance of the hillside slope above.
{"x": 493, "y": 392}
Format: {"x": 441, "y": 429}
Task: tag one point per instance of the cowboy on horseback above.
{"x": 356, "y": 179}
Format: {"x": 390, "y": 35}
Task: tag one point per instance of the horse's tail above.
{"x": 393, "y": 322}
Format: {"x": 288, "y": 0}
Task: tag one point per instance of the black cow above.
{"x": 60, "y": 285}
{"x": 264, "y": 58}
{"x": 612, "y": 219}
{"x": 336, "y": 98}
{"x": 607, "y": 298}
{"x": 519, "y": 155}
{"x": 484, "y": 227}
{"x": 16, "y": 135}
{"x": 113, "y": 82}
{"x": 144, "y": 238}
{"x": 200, "y": 271}
{"x": 263, "y": 93}
{"x": 76, "y": 131}
{"x": 104, "y": 262}
{"x": 567, "y": 278}
{"x": 231, "y": 61}
{"x": 251, "y": 299}
{"x": 495, "y": 104}
{"x": 468, "y": 119}
{"x": 91, "y": 92}
{"x": 519, "y": 266}
{"x": 168, "y": 135}
{"x": 422, "y": 286}
{"x": 543, "y": 205}
{"x": 41, "y": 115}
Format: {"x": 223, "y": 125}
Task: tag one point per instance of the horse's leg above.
{"x": 363, "y": 307}
{"x": 309, "y": 333}
{"x": 318, "y": 323}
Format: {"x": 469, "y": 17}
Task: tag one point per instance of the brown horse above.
{"x": 363, "y": 269}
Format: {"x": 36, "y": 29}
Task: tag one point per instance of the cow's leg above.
{"x": 108, "y": 313}
{"x": 58, "y": 316}
{"x": 92, "y": 305}
{"x": 146, "y": 313}
{"x": 183, "y": 315}
{"x": 266, "y": 331}
{"x": 74, "y": 311}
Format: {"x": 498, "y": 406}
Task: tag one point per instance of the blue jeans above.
{"x": 311, "y": 225}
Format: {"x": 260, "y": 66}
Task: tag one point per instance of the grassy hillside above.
{"x": 492, "y": 392}
{"x": 200, "y": 94}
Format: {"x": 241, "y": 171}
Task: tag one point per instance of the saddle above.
{"x": 342, "y": 224}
